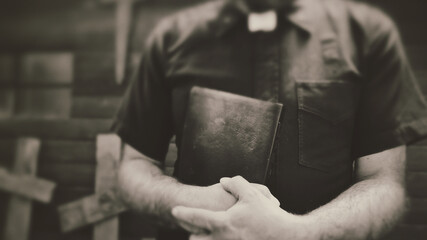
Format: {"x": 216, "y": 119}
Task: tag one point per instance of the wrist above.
{"x": 304, "y": 227}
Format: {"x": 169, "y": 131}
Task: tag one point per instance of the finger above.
{"x": 191, "y": 228}
{"x": 263, "y": 189}
{"x": 238, "y": 187}
{"x": 266, "y": 192}
{"x": 197, "y": 217}
{"x": 201, "y": 237}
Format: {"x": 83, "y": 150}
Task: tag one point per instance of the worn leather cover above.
{"x": 227, "y": 135}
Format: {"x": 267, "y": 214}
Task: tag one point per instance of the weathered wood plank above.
{"x": 411, "y": 11}
{"x": 66, "y": 151}
{"x": 7, "y": 68}
{"x": 412, "y": 33}
{"x": 421, "y": 143}
{"x": 54, "y": 129}
{"x": 417, "y": 184}
{"x": 39, "y": 103}
{"x": 421, "y": 76}
{"x": 169, "y": 171}
{"x": 19, "y": 208}
{"x": 52, "y": 67}
{"x": 65, "y": 194}
{"x": 171, "y": 155}
{"x": 72, "y": 26}
{"x": 45, "y": 217}
{"x": 75, "y": 25}
{"x": 95, "y": 107}
{"x": 7, "y": 102}
{"x": 124, "y": 12}
{"x": 27, "y": 186}
{"x": 69, "y": 174}
{"x": 416, "y": 158}
{"x": 84, "y": 234}
{"x": 108, "y": 153}
{"x": 89, "y": 210}
{"x": 417, "y": 213}
{"x": 137, "y": 225}
{"x": 418, "y": 56}
{"x": 7, "y": 152}
{"x": 406, "y": 231}
{"x": 95, "y": 74}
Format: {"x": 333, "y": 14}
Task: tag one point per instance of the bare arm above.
{"x": 366, "y": 210}
{"x": 145, "y": 188}
{"x": 372, "y": 206}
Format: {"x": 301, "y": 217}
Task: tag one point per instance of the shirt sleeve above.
{"x": 392, "y": 110}
{"x": 144, "y": 119}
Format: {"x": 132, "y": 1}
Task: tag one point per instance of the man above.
{"x": 350, "y": 107}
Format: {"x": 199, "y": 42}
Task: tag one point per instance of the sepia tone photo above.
{"x": 213, "y": 120}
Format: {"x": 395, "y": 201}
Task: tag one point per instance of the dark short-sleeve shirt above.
{"x": 340, "y": 71}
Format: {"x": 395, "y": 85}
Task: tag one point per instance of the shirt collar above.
{"x": 300, "y": 14}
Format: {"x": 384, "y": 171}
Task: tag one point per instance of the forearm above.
{"x": 365, "y": 211}
{"x": 146, "y": 189}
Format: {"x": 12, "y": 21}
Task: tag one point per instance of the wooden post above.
{"x": 104, "y": 206}
{"x": 26, "y": 186}
{"x": 123, "y": 24}
{"x": 90, "y": 210}
{"x": 19, "y": 209}
{"x": 108, "y": 151}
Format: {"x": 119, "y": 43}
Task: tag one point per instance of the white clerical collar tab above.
{"x": 266, "y": 21}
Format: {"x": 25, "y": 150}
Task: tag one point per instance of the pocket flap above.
{"x": 332, "y": 100}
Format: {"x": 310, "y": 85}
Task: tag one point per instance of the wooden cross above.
{"x": 24, "y": 187}
{"x": 123, "y": 26}
{"x": 103, "y": 207}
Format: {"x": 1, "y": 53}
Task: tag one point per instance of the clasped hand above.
{"x": 255, "y": 215}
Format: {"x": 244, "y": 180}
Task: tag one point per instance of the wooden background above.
{"x": 57, "y": 84}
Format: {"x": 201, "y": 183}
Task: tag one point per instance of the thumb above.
{"x": 198, "y": 217}
{"x": 238, "y": 187}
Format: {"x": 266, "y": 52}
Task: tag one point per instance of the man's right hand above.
{"x": 215, "y": 198}
{"x": 218, "y": 199}
{"x": 253, "y": 217}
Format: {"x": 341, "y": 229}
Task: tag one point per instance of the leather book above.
{"x": 226, "y": 135}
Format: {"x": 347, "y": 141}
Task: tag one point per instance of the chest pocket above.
{"x": 326, "y": 119}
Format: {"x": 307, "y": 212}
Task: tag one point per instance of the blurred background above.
{"x": 64, "y": 68}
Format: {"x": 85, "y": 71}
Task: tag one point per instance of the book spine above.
{"x": 271, "y": 162}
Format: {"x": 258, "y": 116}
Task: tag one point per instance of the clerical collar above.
{"x": 298, "y": 14}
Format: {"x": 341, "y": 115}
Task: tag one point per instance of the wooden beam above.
{"x": 95, "y": 107}
{"x": 90, "y": 210}
{"x": 171, "y": 156}
{"x": 417, "y": 184}
{"x": 19, "y": 209}
{"x": 66, "y": 151}
{"x": 417, "y": 213}
{"x": 70, "y": 174}
{"x": 26, "y": 186}
{"x": 416, "y": 158}
{"x": 54, "y": 129}
{"x": 406, "y": 231}
{"x": 108, "y": 152}
{"x": 123, "y": 24}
